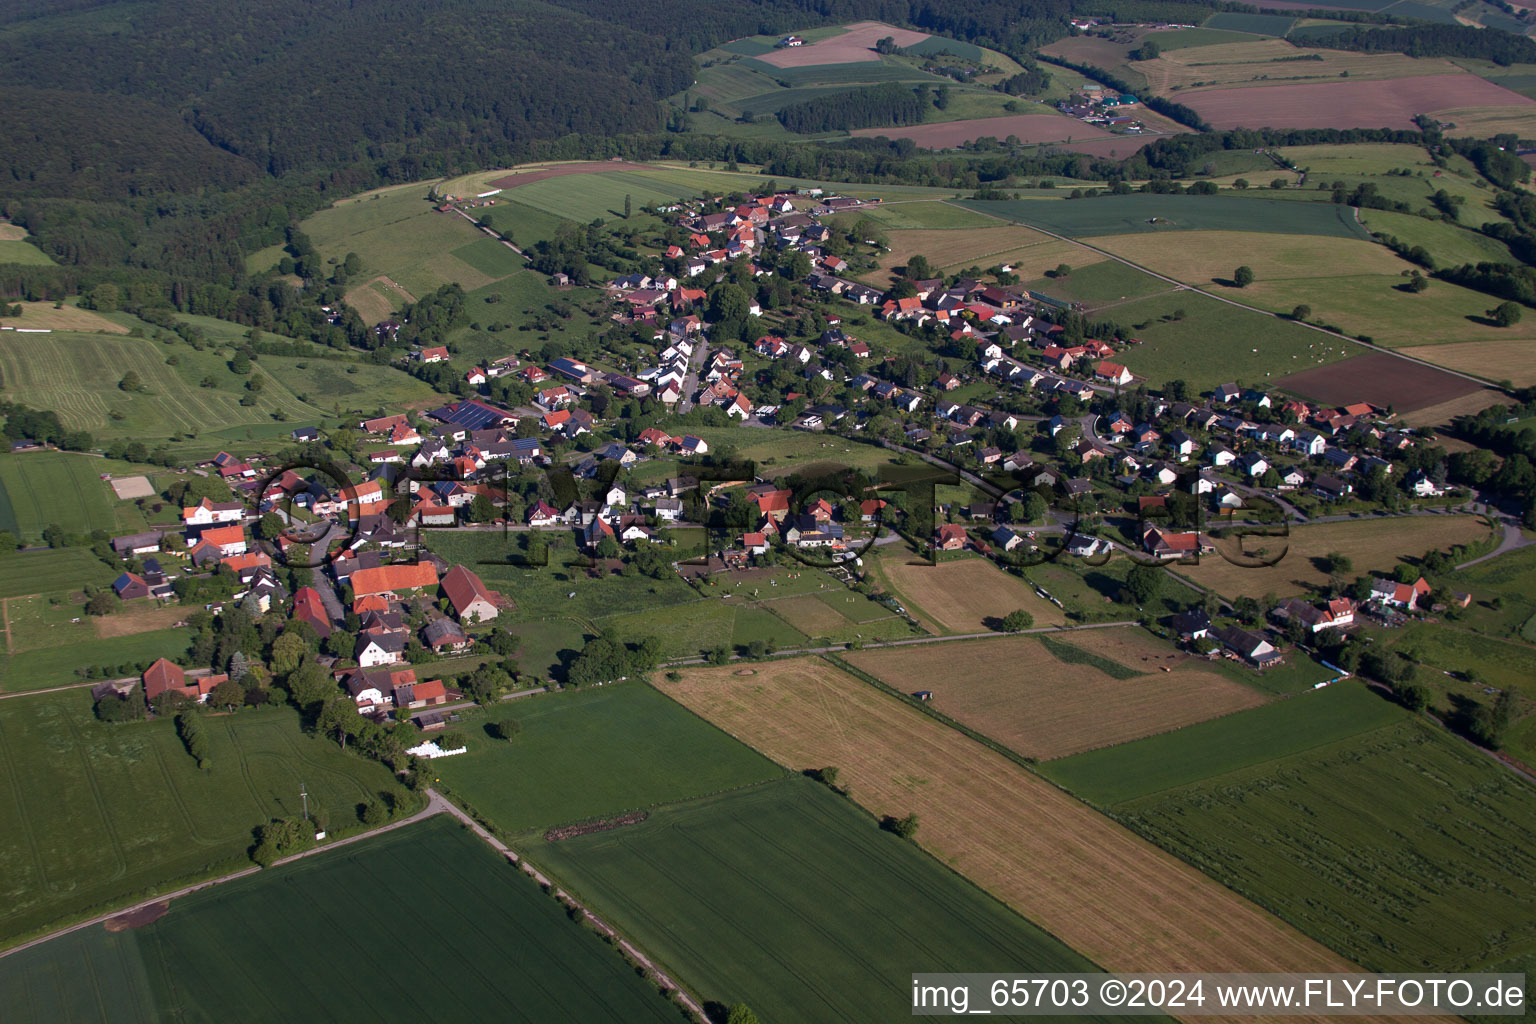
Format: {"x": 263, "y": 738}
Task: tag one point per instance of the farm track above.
{"x": 1396, "y": 354}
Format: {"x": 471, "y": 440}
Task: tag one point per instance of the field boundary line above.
{"x": 1395, "y": 353}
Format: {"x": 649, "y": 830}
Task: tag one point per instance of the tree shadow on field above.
{"x": 716, "y": 1012}
{"x": 1225, "y": 282}
{"x": 1482, "y": 321}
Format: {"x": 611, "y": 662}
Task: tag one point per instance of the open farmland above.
{"x": 915, "y": 214}
{"x": 1113, "y": 775}
{"x": 1118, "y": 215}
{"x": 76, "y": 375}
{"x": 492, "y": 943}
{"x": 593, "y": 753}
{"x": 123, "y": 811}
{"x": 732, "y": 894}
{"x": 950, "y": 249}
{"x": 1027, "y": 128}
{"x": 1488, "y": 120}
{"x": 1404, "y": 849}
{"x": 1380, "y": 379}
{"x": 1264, "y": 63}
{"x": 51, "y": 569}
{"x": 1081, "y": 877}
{"x": 1377, "y": 104}
{"x": 1449, "y": 244}
{"x": 25, "y": 253}
{"x": 1508, "y": 359}
{"x": 1015, "y": 691}
{"x": 854, "y": 45}
{"x": 54, "y": 488}
{"x": 1094, "y": 281}
{"x": 43, "y": 316}
{"x": 1373, "y": 545}
{"x": 1353, "y": 285}
{"x": 963, "y": 595}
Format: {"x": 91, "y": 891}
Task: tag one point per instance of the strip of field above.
{"x": 1118, "y": 215}
{"x": 1265, "y": 63}
{"x": 492, "y": 944}
{"x": 55, "y": 488}
{"x": 1027, "y": 128}
{"x": 1506, "y": 359}
{"x": 56, "y": 569}
{"x": 24, "y": 253}
{"x": 122, "y": 810}
{"x": 43, "y": 315}
{"x": 781, "y": 897}
{"x": 1486, "y": 121}
{"x": 1373, "y": 545}
{"x": 856, "y": 44}
{"x": 1380, "y": 379}
{"x": 594, "y": 753}
{"x": 1107, "y": 894}
{"x": 1380, "y": 104}
{"x": 1016, "y": 692}
{"x": 1405, "y": 849}
{"x": 1114, "y": 775}
{"x": 946, "y": 248}
{"x": 964, "y": 595}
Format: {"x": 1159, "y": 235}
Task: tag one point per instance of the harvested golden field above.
{"x": 375, "y": 300}
{"x": 1015, "y": 691}
{"x": 1096, "y": 886}
{"x": 43, "y": 316}
{"x": 1486, "y": 122}
{"x": 12, "y": 232}
{"x": 960, "y": 596}
{"x": 1511, "y": 359}
{"x": 1273, "y": 61}
{"x": 1373, "y": 545}
{"x": 947, "y": 248}
{"x": 1442, "y": 413}
{"x": 1033, "y": 261}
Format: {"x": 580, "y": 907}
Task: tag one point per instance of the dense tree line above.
{"x": 1501, "y": 47}
{"x": 877, "y": 106}
{"x": 1176, "y": 111}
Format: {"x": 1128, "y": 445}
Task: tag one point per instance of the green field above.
{"x": 1450, "y": 245}
{"x": 922, "y": 214}
{"x": 33, "y": 572}
{"x": 593, "y": 753}
{"x": 122, "y": 811}
{"x": 1403, "y": 849}
{"x": 17, "y": 251}
{"x": 789, "y": 898}
{"x": 38, "y": 489}
{"x": 1113, "y": 775}
{"x": 585, "y": 197}
{"x": 1499, "y": 663}
{"x": 520, "y": 222}
{"x": 77, "y": 375}
{"x": 490, "y": 942}
{"x": 1107, "y": 281}
{"x": 1118, "y": 215}
{"x": 1188, "y": 38}
{"x": 1258, "y": 24}
{"x": 1217, "y": 342}
{"x": 45, "y": 667}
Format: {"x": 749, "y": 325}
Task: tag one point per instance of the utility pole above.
{"x": 304, "y": 796}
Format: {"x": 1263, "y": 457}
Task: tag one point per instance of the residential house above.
{"x": 444, "y": 636}
{"x": 375, "y": 649}
{"x": 471, "y": 599}
{"x": 1251, "y": 647}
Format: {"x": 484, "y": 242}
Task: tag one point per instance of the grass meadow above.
{"x": 1404, "y": 848}
{"x": 1114, "y": 775}
{"x": 490, "y": 940}
{"x": 1118, "y": 215}
{"x": 733, "y": 893}
{"x": 18, "y": 251}
{"x": 593, "y": 753}
{"x": 123, "y": 812}
{"x": 33, "y": 572}
{"x": 38, "y": 489}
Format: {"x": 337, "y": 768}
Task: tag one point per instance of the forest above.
{"x": 1503, "y": 48}
{"x": 878, "y": 106}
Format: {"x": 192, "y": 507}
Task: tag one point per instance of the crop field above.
{"x": 592, "y": 753}
{"x": 583, "y": 197}
{"x": 1485, "y": 121}
{"x": 1373, "y": 545}
{"x": 123, "y": 811}
{"x": 76, "y": 375}
{"x": 1496, "y": 360}
{"x": 1015, "y": 691}
{"x": 1258, "y": 24}
{"x": 60, "y": 569}
{"x": 854, "y": 45}
{"x": 822, "y": 616}
{"x": 1382, "y": 380}
{"x": 1499, "y": 663}
{"x": 330, "y": 384}
{"x": 1027, "y": 128}
{"x": 1403, "y": 848}
{"x": 914, "y": 214}
{"x": 1113, "y": 775}
{"x": 1185, "y": 38}
{"x": 194, "y": 962}
{"x": 43, "y": 315}
{"x": 1112, "y": 897}
{"x": 1205, "y": 342}
{"x": 1263, "y": 63}
{"x": 1118, "y": 215}
{"x": 951, "y": 249}
{"x": 961, "y": 596}
{"x": 1387, "y": 103}
{"x": 732, "y": 892}
{"x": 1441, "y": 414}
{"x": 46, "y": 488}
